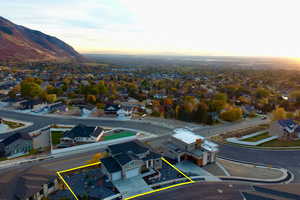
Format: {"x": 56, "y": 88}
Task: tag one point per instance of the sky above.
{"x": 195, "y": 27}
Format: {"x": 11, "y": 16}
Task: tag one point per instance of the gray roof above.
{"x": 127, "y": 147}
{"x": 12, "y": 138}
{"x": 83, "y": 131}
{"x": 111, "y": 164}
{"x": 23, "y": 183}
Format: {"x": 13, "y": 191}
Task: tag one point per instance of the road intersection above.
{"x": 289, "y": 159}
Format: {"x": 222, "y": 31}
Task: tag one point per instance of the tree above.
{"x": 221, "y": 96}
{"x": 13, "y": 92}
{"x": 279, "y": 113}
{"x": 262, "y": 93}
{"x": 91, "y": 99}
{"x": 51, "y": 98}
{"x": 295, "y": 95}
{"x": 96, "y": 157}
{"x": 30, "y": 90}
{"x": 201, "y": 114}
{"x": 233, "y": 114}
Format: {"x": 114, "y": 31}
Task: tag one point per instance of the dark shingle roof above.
{"x": 152, "y": 155}
{"x": 123, "y": 158}
{"x": 287, "y": 123}
{"x": 126, "y": 147}
{"x": 83, "y": 131}
{"x": 111, "y": 107}
{"x": 23, "y": 183}
{"x": 297, "y": 130}
{"x": 111, "y": 164}
{"x": 10, "y": 139}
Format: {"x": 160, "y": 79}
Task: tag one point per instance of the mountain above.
{"x": 21, "y": 44}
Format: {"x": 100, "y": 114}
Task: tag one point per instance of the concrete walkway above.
{"x": 189, "y": 167}
{"x": 132, "y": 186}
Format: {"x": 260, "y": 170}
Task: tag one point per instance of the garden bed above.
{"x": 13, "y": 125}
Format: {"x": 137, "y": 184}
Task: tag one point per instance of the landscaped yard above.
{"x": 55, "y": 136}
{"x": 13, "y": 125}
{"x": 118, "y": 135}
{"x": 281, "y": 143}
{"x": 257, "y": 137}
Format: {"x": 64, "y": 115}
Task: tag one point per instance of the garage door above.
{"x": 116, "y": 176}
{"x": 132, "y": 172}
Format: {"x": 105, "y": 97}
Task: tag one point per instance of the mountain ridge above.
{"x": 21, "y": 44}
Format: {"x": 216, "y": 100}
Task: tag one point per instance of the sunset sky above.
{"x": 198, "y": 27}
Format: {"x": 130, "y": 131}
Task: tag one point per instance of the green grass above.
{"x": 280, "y": 143}
{"x": 257, "y": 137}
{"x": 13, "y": 125}
{"x": 55, "y": 136}
{"x": 118, "y": 135}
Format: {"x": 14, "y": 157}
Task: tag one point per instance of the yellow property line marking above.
{"x": 177, "y": 169}
{"x": 157, "y": 190}
{"x": 68, "y": 170}
{"x": 142, "y": 194}
{"x": 60, "y": 176}
{"x": 171, "y": 186}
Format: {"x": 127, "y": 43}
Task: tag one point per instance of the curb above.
{"x": 286, "y": 178}
{"x": 26, "y": 124}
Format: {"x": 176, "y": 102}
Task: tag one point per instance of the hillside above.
{"x": 21, "y": 44}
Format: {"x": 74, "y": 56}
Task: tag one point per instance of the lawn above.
{"x": 118, "y": 135}
{"x": 13, "y": 125}
{"x": 280, "y": 143}
{"x": 55, "y": 136}
{"x": 257, "y": 137}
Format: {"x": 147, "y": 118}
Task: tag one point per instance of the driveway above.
{"x": 132, "y": 186}
{"x": 189, "y": 167}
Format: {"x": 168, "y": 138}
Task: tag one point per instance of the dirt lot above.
{"x": 249, "y": 171}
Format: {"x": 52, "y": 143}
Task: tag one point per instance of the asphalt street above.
{"x": 40, "y": 121}
{"x": 289, "y": 159}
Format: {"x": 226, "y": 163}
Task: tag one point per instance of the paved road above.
{"x": 289, "y": 159}
{"x": 228, "y": 127}
{"x": 284, "y": 158}
{"x": 43, "y": 121}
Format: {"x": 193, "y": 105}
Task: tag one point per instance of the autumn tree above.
{"x": 91, "y": 99}
{"x": 30, "y": 90}
{"x": 279, "y": 113}
{"x": 232, "y": 114}
{"x": 96, "y": 158}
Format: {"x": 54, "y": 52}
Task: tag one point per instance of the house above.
{"x": 86, "y": 110}
{"x": 34, "y": 183}
{"x": 41, "y": 139}
{"x": 16, "y": 145}
{"x": 32, "y": 105}
{"x": 160, "y": 96}
{"x": 129, "y": 159}
{"x": 82, "y": 134}
{"x": 112, "y": 109}
{"x": 57, "y": 106}
{"x": 284, "y": 128}
{"x": 185, "y": 145}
